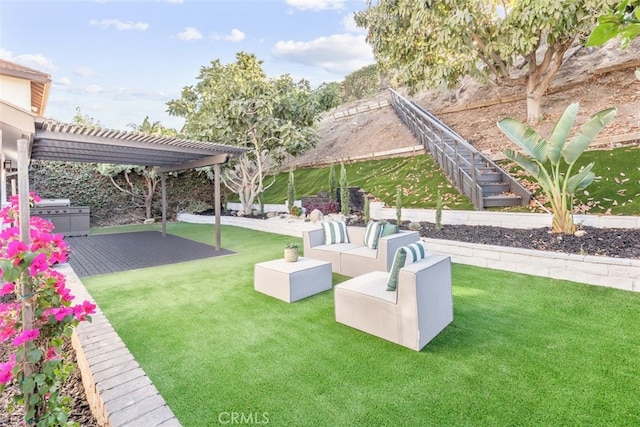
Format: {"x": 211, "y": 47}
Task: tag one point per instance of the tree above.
{"x": 143, "y": 193}
{"x": 149, "y": 177}
{"x": 153, "y": 128}
{"x": 84, "y": 119}
{"x": 435, "y": 43}
{"x": 329, "y": 95}
{"x": 361, "y": 83}
{"x": 333, "y": 185}
{"x": 399, "y": 206}
{"x": 552, "y": 161}
{"x": 344, "y": 191}
{"x": 236, "y": 104}
{"x": 623, "y": 22}
{"x": 291, "y": 190}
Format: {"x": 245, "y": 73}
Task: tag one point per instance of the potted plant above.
{"x": 291, "y": 252}
{"x": 295, "y": 211}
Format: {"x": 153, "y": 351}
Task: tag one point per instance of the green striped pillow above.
{"x": 372, "y": 234}
{"x": 405, "y": 255}
{"x": 415, "y": 252}
{"x": 335, "y": 232}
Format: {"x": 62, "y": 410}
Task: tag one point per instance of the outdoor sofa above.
{"x": 350, "y": 256}
{"x": 419, "y": 308}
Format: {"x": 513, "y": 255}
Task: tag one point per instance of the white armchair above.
{"x": 412, "y": 315}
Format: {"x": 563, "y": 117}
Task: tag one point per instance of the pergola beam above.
{"x": 200, "y": 163}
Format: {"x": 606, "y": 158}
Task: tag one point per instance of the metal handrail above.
{"x": 444, "y": 143}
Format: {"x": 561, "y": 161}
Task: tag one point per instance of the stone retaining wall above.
{"x": 619, "y": 273}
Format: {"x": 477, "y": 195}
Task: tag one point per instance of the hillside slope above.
{"x": 596, "y": 78}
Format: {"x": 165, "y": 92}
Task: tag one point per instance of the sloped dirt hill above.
{"x": 584, "y": 78}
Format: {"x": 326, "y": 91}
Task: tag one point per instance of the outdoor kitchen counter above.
{"x": 67, "y": 220}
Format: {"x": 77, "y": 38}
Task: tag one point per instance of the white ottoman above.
{"x": 292, "y": 281}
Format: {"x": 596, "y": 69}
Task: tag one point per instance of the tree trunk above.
{"x": 247, "y": 203}
{"x": 147, "y": 205}
{"x": 539, "y": 78}
{"x": 148, "y": 199}
{"x": 534, "y": 109}
{"x": 535, "y": 90}
{"x": 247, "y": 196}
{"x": 563, "y": 222}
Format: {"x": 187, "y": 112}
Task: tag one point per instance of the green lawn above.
{"x": 521, "y": 350}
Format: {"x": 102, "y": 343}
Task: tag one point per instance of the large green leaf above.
{"x": 587, "y": 133}
{"x": 602, "y": 33}
{"x": 525, "y": 137}
{"x": 581, "y": 180}
{"x": 561, "y": 132}
{"x": 629, "y": 33}
{"x": 524, "y": 162}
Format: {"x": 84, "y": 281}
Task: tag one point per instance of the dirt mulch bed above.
{"x": 610, "y": 242}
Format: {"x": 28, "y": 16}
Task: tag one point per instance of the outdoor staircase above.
{"x": 472, "y": 173}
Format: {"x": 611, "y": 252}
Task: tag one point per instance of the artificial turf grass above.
{"x": 522, "y": 350}
{"x": 615, "y": 190}
{"x": 419, "y": 177}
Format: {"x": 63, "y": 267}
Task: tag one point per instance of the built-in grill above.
{"x": 67, "y": 220}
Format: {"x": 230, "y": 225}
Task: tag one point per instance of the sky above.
{"x": 122, "y": 60}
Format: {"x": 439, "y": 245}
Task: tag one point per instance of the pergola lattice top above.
{"x": 69, "y": 142}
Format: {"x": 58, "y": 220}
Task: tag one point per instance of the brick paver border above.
{"x": 118, "y": 390}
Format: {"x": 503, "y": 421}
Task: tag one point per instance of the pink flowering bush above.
{"x": 39, "y": 363}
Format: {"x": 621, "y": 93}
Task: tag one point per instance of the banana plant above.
{"x": 551, "y": 162}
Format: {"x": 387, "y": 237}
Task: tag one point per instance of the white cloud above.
{"x": 83, "y": 72}
{"x": 339, "y": 53}
{"x": 119, "y": 25}
{"x": 349, "y": 24}
{"x": 63, "y": 81}
{"x": 93, "y": 89}
{"x": 189, "y": 34}
{"x": 174, "y": 1}
{"x": 235, "y": 36}
{"x": 316, "y": 5}
{"x": 37, "y": 61}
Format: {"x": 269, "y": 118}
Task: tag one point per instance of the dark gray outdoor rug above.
{"x": 110, "y": 253}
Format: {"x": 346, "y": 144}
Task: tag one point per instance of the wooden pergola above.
{"x": 24, "y": 137}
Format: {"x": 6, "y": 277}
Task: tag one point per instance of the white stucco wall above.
{"x": 16, "y": 91}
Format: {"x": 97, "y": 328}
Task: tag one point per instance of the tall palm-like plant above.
{"x": 552, "y": 161}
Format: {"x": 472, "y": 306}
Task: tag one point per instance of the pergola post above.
{"x": 163, "y": 180}
{"x": 25, "y": 214}
{"x": 3, "y": 175}
{"x": 216, "y": 169}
